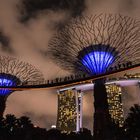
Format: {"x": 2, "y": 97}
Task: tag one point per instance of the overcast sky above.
{"x": 25, "y": 29}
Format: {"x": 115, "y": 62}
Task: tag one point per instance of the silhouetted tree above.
{"x": 12, "y": 128}
{"x": 24, "y": 122}
{"x": 132, "y": 123}
{"x": 10, "y": 122}
{"x": 53, "y": 134}
{"x": 85, "y": 134}
{"x": 1, "y": 122}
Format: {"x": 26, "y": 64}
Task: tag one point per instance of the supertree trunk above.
{"x": 102, "y": 118}
{"x": 2, "y": 104}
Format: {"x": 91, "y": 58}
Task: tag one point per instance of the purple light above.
{"x": 97, "y": 62}
{"x": 6, "y": 82}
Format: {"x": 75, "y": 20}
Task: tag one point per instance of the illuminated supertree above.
{"x": 92, "y": 45}
{"x": 13, "y": 73}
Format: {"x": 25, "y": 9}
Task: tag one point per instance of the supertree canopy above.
{"x": 13, "y": 73}
{"x": 92, "y": 45}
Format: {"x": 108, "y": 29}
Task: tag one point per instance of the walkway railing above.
{"x": 70, "y": 80}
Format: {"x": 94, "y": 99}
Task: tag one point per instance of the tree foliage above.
{"x": 132, "y": 123}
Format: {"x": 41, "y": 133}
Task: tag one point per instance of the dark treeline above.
{"x": 12, "y": 128}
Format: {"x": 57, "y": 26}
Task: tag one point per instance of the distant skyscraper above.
{"x": 69, "y": 117}
{"x": 115, "y": 103}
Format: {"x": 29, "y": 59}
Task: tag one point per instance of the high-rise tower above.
{"x": 69, "y": 117}
{"x": 114, "y": 93}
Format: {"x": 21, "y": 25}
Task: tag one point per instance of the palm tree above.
{"x": 25, "y": 122}
{"x": 132, "y": 123}
{"x": 10, "y": 122}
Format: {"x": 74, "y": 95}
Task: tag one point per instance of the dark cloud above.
{"x": 5, "y": 43}
{"x": 30, "y": 8}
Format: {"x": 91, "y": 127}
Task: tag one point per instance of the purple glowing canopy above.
{"x": 96, "y": 59}
{"x": 7, "y": 80}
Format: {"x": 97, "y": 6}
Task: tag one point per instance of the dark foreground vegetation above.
{"x": 12, "y": 128}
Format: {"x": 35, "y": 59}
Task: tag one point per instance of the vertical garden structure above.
{"x": 14, "y": 73}
{"x": 92, "y": 45}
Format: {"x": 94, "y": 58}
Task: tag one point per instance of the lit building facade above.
{"x": 115, "y": 103}
{"x": 69, "y": 116}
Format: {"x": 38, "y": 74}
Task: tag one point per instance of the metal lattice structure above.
{"x": 93, "y": 45}
{"x": 116, "y": 34}
{"x": 25, "y": 72}
{"x": 14, "y": 73}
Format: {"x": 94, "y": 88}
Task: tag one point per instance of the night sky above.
{"x": 26, "y": 26}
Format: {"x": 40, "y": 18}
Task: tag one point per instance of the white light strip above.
{"x": 89, "y": 86}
